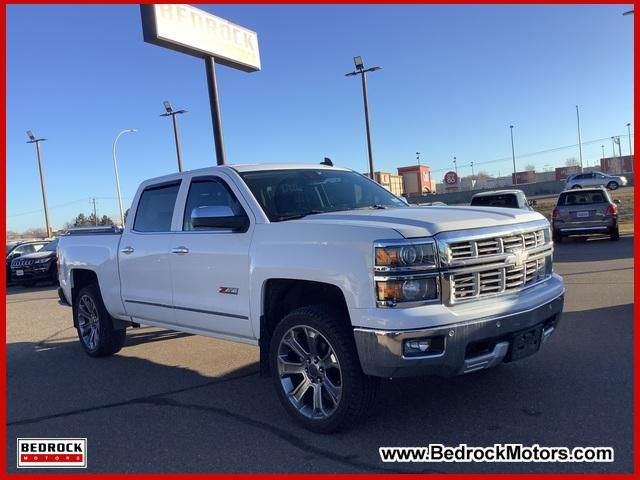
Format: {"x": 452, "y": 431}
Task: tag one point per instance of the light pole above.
{"x": 455, "y": 165}
{"x": 579, "y": 136}
{"x": 360, "y": 70}
{"x": 33, "y": 139}
{"x": 513, "y": 155}
{"x": 629, "y": 133}
{"x": 170, "y": 112}
{"x": 115, "y": 167}
{"x": 418, "y": 157}
{"x": 602, "y": 146}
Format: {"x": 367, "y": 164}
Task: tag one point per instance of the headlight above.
{"x": 405, "y": 256}
{"x": 40, "y": 261}
{"x": 407, "y": 290}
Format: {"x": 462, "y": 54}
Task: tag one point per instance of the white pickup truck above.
{"x": 334, "y": 278}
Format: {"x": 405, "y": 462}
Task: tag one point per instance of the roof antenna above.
{"x": 327, "y": 161}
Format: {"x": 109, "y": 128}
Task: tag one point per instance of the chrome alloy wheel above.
{"x": 309, "y": 372}
{"x": 88, "y": 322}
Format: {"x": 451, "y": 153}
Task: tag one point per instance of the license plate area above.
{"x": 582, "y": 214}
{"x": 524, "y": 343}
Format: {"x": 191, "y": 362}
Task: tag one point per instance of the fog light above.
{"x": 421, "y": 345}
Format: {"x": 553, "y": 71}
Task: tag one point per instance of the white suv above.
{"x": 596, "y": 179}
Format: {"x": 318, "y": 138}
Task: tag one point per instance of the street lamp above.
{"x": 418, "y": 157}
{"x": 602, "y": 147}
{"x": 513, "y": 155}
{"x": 170, "y": 112}
{"x": 360, "y": 70}
{"x": 455, "y": 165}
{"x": 629, "y": 133}
{"x": 115, "y": 167}
{"x": 472, "y": 174}
{"x": 33, "y": 139}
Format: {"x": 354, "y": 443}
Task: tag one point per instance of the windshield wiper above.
{"x": 300, "y": 215}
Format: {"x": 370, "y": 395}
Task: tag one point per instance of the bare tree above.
{"x": 571, "y": 162}
{"x": 530, "y": 167}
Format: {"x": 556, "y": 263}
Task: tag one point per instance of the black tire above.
{"x": 358, "y": 391}
{"x": 557, "y": 237}
{"x": 615, "y": 234}
{"x": 108, "y": 339}
{"x": 613, "y": 185}
{"x": 576, "y": 186}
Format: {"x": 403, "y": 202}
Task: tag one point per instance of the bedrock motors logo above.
{"x": 52, "y": 453}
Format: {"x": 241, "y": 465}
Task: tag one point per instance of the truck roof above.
{"x": 499, "y": 192}
{"x": 248, "y": 167}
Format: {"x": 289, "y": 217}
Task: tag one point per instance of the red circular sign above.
{"x": 451, "y": 178}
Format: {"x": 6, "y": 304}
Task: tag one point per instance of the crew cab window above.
{"x": 210, "y": 192}
{"x": 155, "y": 209}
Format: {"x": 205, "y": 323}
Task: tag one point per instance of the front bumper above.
{"x": 33, "y": 273}
{"x": 467, "y": 346}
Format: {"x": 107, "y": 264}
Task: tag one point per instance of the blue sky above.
{"x": 453, "y": 79}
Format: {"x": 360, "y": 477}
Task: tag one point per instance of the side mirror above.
{"x": 617, "y": 201}
{"x": 218, "y": 217}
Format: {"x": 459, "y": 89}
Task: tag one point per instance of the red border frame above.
{"x": 636, "y": 262}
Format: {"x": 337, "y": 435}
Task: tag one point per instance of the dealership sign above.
{"x": 199, "y": 33}
{"x": 451, "y": 178}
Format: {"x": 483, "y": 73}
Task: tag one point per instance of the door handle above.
{"x": 180, "y": 250}
{"x": 127, "y": 250}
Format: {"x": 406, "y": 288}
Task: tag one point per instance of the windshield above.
{"x": 507, "y": 200}
{"x": 289, "y": 194}
{"x": 10, "y": 246}
{"x": 51, "y": 246}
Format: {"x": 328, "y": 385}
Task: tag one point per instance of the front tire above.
{"x": 316, "y": 370}
{"x": 613, "y": 185}
{"x": 615, "y": 234}
{"x": 94, "y": 324}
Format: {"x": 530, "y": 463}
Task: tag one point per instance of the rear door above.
{"x": 145, "y": 277}
{"x": 210, "y": 265}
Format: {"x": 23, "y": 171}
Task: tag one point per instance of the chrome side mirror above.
{"x": 211, "y": 217}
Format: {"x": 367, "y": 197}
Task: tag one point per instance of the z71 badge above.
{"x": 228, "y": 290}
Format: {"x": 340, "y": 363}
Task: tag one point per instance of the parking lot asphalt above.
{"x": 172, "y": 402}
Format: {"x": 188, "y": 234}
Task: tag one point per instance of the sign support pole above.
{"x": 216, "y": 117}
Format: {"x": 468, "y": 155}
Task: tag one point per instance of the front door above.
{"x": 210, "y": 264}
{"x": 144, "y": 255}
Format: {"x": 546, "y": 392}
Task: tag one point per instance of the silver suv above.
{"x": 585, "y": 212}
{"x": 596, "y": 179}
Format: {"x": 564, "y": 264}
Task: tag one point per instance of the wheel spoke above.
{"x": 295, "y": 346}
{"x": 333, "y": 391}
{"x": 318, "y": 408}
{"x": 301, "y": 389}
{"x": 330, "y": 360}
{"x": 312, "y": 340}
{"x": 289, "y": 368}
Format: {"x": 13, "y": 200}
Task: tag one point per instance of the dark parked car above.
{"x": 40, "y": 266}
{"x": 584, "y": 212}
{"x": 19, "y": 248}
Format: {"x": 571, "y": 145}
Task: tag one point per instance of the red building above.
{"x": 416, "y": 179}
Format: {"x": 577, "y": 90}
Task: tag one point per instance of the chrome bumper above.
{"x": 381, "y": 351}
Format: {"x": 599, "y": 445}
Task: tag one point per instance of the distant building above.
{"x": 417, "y": 180}
{"x": 617, "y": 165}
{"x": 391, "y": 182}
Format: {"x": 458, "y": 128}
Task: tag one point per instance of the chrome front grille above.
{"x": 477, "y": 265}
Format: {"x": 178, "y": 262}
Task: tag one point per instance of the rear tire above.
{"x": 576, "y": 186}
{"x": 557, "y": 237}
{"x": 615, "y": 234}
{"x": 613, "y": 185}
{"x": 316, "y": 370}
{"x": 94, "y": 324}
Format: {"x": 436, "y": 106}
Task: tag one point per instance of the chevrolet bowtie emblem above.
{"x": 517, "y": 258}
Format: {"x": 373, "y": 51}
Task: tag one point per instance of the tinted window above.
{"x": 286, "y": 194}
{"x": 209, "y": 193}
{"x": 155, "y": 209}
{"x": 507, "y": 201}
{"x": 583, "y": 198}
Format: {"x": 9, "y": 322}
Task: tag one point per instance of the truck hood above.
{"x": 426, "y": 221}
